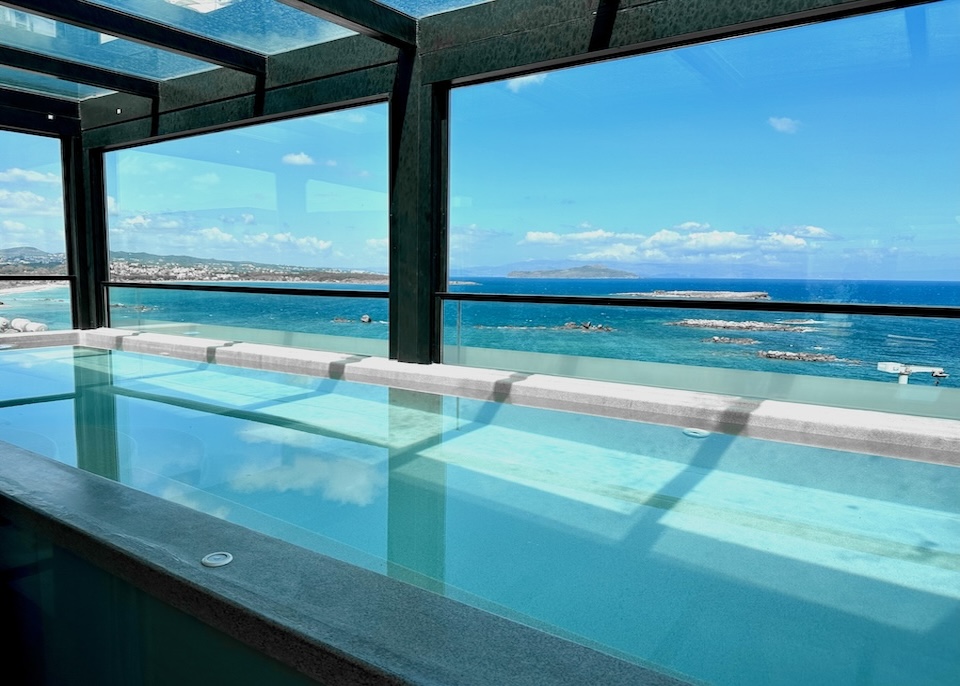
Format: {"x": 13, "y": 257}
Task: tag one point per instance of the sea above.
{"x": 835, "y": 345}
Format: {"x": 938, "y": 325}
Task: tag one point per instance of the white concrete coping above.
{"x": 864, "y": 431}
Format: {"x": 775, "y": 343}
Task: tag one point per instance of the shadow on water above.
{"x": 502, "y": 389}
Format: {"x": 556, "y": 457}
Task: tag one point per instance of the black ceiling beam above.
{"x": 28, "y": 121}
{"x": 78, "y": 72}
{"x": 146, "y": 32}
{"x": 35, "y": 102}
{"x": 364, "y": 16}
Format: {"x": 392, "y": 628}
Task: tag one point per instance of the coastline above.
{"x": 44, "y": 286}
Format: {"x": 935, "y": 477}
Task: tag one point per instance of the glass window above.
{"x": 812, "y": 164}
{"x": 47, "y": 85}
{"x": 300, "y": 203}
{"x": 296, "y": 200}
{"x": 423, "y": 8}
{"x": 32, "y": 239}
{"x": 265, "y": 26}
{"x": 57, "y": 39}
{"x": 31, "y": 205}
{"x": 827, "y": 153}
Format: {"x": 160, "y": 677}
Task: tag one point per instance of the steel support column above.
{"x": 85, "y": 219}
{"x": 418, "y": 125}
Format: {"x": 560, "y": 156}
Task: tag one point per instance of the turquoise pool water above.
{"x": 726, "y": 559}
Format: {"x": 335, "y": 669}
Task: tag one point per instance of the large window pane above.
{"x": 302, "y": 200}
{"x": 265, "y": 26}
{"x": 62, "y": 40}
{"x": 828, "y": 151}
{"x": 31, "y": 206}
{"x": 32, "y": 239}
{"x": 297, "y": 200}
{"x": 812, "y": 164}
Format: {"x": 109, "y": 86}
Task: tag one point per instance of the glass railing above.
{"x": 354, "y": 322}
{"x": 34, "y": 305}
{"x": 888, "y": 363}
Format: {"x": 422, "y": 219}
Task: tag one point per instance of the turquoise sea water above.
{"x": 857, "y": 343}
{"x": 731, "y": 560}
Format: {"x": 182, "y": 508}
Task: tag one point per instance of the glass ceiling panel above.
{"x": 264, "y": 26}
{"x": 47, "y": 85}
{"x": 55, "y": 39}
{"x": 422, "y": 8}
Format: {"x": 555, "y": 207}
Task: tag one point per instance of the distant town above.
{"x": 148, "y": 267}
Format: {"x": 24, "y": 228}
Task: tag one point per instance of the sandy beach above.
{"x": 41, "y": 286}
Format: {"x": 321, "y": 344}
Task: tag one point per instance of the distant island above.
{"x": 702, "y": 295}
{"x": 590, "y": 271}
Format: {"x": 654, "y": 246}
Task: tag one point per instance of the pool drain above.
{"x": 696, "y": 433}
{"x": 216, "y": 559}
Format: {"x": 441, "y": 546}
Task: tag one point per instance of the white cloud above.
{"x": 340, "y": 480}
{"x": 16, "y": 174}
{"x": 692, "y": 226}
{"x": 595, "y": 235}
{"x": 25, "y": 202}
{"x": 137, "y": 222}
{"x": 248, "y": 219}
{"x": 784, "y": 124}
{"x": 299, "y": 159}
{"x": 782, "y": 241}
{"x": 811, "y": 232}
{"x": 548, "y": 237}
{"x": 378, "y": 243}
{"x": 169, "y": 224}
{"x": 720, "y": 241}
{"x": 215, "y": 235}
{"x": 287, "y": 241}
{"x": 13, "y": 226}
{"x": 112, "y": 207}
{"x": 551, "y": 238}
{"x": 521, "y": 82}
{"x": 256, "y": 240}
{"x": 617, "y": 251}
{"x": 662, "y": 238}
{"x": 312, "y": 245}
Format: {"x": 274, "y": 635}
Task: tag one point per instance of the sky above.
{"x": 826, "y": 151}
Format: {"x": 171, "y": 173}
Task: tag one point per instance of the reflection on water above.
{"x": 732, "y": 560}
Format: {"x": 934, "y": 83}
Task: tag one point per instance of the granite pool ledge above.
{"x": 864, "y": 431}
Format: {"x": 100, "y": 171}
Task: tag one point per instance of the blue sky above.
{"x": 827, "y": 151}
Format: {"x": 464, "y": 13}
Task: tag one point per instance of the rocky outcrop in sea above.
{"x": 802, "y": 357}
{"x": 739, "y": 326}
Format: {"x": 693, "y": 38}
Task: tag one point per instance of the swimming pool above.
{"x": 727, "y": 559}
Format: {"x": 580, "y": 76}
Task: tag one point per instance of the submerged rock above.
{"x": 799, "y": 357}
{"x": 733, "y": 341}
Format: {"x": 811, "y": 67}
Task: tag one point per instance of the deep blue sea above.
{"x": 857, "y": 342}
